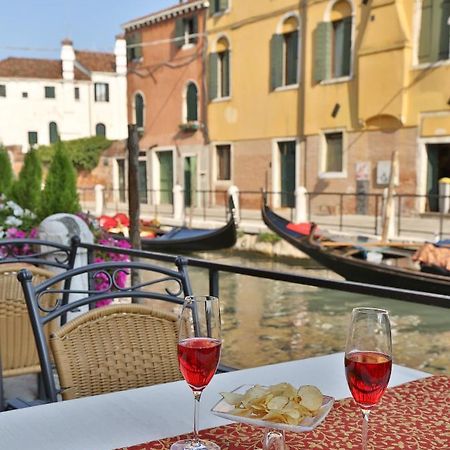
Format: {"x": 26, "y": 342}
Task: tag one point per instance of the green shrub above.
{"x": 26, "y": 190}
{"x": 271, "y": 238}
{"x": 6, "y": 172}
{"x": 60, "y": 192}
{"x": 84, "y": 153}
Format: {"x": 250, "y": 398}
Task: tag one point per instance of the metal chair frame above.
{"x": 40, "y": 315}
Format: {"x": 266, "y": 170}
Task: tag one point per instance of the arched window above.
{"x": 191, "y": 103}
{"x": 284, "y": 54}
{"x": 53, "y": 132}
{"x": 333, "y": 43}
{"x": 100, "y": 129}
{"x": 219, "y": 70}
{"x": 139, "y": 111}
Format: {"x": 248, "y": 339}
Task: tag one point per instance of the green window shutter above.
{"x": 53, "y": 132}
{"x": 212, "y": 7}
{"x": 292, "y": 58}
{"x": 179, "y": 32}
{"x": 346, "y": 46}
{"x": 194, "y": 29}
{"x": 426, "y": 31}
{"x": 212, "y": 80}
{"x": 139, "y": 110}
{"x": 138, "y": 48}
{"x": 444, "y": 35}
{"x": 223, "y": 5}
{"x": 225, "y": 85}
{"x": 276, "y": 61}
{"x": 322, "y": 49}
{"x": 191, "y": 103}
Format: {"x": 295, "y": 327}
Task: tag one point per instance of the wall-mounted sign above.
{"x": 362, "y": 170}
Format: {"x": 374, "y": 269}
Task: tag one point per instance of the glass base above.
{"x": 190, "y": 444}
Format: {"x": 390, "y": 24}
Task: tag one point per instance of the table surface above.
{"x": 130, "y": 417}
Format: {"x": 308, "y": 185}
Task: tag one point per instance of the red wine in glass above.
{"x": 198, "y": 359}
{"x": 199, "y": 345}
{"x": 368, "y": 375}
{"x": 368, "y": 359}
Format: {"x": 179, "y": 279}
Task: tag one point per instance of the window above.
{"x": 284, "y": 55}
{"x": 434, "y": 31}
{"x": 76, "y": 93}
{"x": 219, "y": 71}
{"x": 101, "y": 91}
{"x": 122, "y": 177}
{"x": 186, "y": 29}
{"x": 223, "y": 162}
{"x": 49, "y": 92}
{"x": 100, "y": 129}
{"x": 218, "y": 6}
{"x": 53, "y": 132}
{"x": 334, "y": 152}
{"x": 2, "y": 90}
{"x": 191, "y": 103}
{"x": 333, "y": 44}
{"x": 139, "y": 111}
{"x": 24, "y": 94}
{"x": 32, "y": 138}
{"x": 134, "y": 46}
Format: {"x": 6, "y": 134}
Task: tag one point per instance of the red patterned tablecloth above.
{"x": 413, "y": 416}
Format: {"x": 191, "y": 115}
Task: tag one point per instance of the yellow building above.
{"x": 320, "y": 93}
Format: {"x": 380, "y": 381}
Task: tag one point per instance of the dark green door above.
{"x": 143, "y": 193}
{"x": 166, "y": 176}
{"x": 432, "y": 177}
{"x": 190, "y": 171}
{"x": 287, "y": 166}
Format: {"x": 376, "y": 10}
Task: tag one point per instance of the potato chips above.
{"x": 281, "y": 403}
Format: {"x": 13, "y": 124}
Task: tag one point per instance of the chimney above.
{"x": 120, "y": 51}
{"x": 67, "y": 59}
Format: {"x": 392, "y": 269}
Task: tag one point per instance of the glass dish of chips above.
{"x": 278, "y": 407}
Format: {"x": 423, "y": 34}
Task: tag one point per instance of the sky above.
{"x": 90, "y": 24}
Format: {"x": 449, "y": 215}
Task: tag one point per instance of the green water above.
{"x": 268, "y": 321}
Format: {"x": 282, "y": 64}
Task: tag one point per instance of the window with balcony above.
{"x": 284, "y": 55}
{"x": 434, "y": 31}
{"x": 333, "y": 44}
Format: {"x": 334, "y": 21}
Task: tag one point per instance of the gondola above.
{"x": 184, "y": 239}
{"x": 394, "y": 266}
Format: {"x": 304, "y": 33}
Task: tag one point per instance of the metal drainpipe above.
{"x": 302, "y": 91}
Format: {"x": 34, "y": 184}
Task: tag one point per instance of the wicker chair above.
{"x": 17, "y": 346}
{"x": 113, "y": 347}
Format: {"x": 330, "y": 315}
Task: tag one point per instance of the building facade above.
{"x": 83, "y": 94}
{"x": 167, "y": 102}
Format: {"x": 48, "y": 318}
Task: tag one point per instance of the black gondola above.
{"x": 184, "y": 239}
{"x": 348, "y": 260}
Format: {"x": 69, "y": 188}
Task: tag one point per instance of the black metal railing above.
{"x": 215, "y": 269}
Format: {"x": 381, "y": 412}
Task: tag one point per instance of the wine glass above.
{"x": 199, "y": 345}
{"x": 368, "y": 359}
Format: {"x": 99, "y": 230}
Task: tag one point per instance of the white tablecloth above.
{"x": 109, "y": 421}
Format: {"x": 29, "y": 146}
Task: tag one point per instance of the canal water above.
{"x": 267, "y": 321}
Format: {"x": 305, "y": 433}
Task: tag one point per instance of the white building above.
{"x": 82, "y": 94}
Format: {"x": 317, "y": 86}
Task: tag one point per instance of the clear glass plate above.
{"x": 222, "y": 409}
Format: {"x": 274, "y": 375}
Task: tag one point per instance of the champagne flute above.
{"x": 368, "y": 359}
{"x": 199, "y": 345}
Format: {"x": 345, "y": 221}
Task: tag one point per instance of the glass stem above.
{"x": 365, "y": 427}
{"x": 197, "y": 395}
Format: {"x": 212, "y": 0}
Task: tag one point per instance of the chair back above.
{"x": 122, "y": 346}
{"x": 17, "y": 345}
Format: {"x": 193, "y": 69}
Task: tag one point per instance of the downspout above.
{"x": 302, "y": 93}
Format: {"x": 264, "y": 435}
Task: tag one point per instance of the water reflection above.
{"x": 267, "y": 321}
